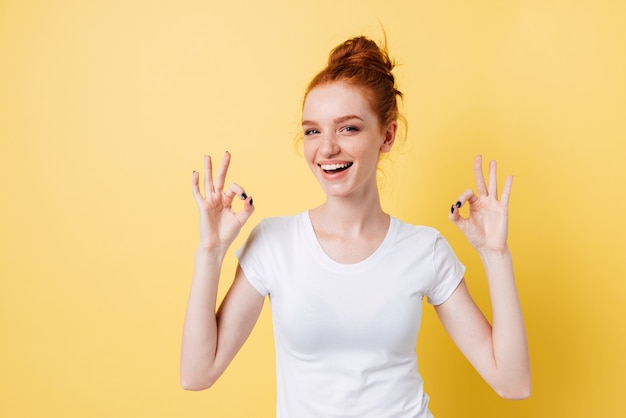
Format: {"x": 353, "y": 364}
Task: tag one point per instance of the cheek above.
{"x": 309, "y": 151}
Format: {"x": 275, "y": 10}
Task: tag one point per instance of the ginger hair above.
{"x": 360, "y": 62}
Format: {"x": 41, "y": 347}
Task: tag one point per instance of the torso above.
{"x": 346, "y": 334}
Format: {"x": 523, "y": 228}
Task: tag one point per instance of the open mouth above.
{"x": 335, "y": 168}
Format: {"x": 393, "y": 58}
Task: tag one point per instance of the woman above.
{"x": 346, "y": 279}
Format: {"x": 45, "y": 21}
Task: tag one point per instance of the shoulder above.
{"x": 271, "y": 235}
{"x": 424, "y": 240}
{"x": 279, "y": 229}
{"x": 279, "y": 224}
{"x": 421, "y": 233}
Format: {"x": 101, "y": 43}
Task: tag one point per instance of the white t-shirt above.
{"x": 346, "y": 334}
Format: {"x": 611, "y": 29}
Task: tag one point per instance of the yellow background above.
{"x": 106, "y": 107}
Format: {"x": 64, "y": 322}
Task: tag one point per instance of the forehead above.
{"x": 333, "y": 100}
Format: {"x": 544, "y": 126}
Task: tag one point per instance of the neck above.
{"x": 350, "y": 216}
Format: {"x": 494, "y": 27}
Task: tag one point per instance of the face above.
{"x": 343, "y": 139}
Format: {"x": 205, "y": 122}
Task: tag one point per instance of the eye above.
{"x": 308, "y": 132}
{"x": 349, "y": 129}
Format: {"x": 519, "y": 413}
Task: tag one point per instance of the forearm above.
{"x": 510, "y": 345}
{"x": 199, "y": 343}
{"x": 219, "y": 226}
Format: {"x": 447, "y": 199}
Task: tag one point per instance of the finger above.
{"x": 208, "y": 175}
{"x": 234, "y": 190}
{"x": 506, "y": 190}
{"x": 493, "y": 180}
{"x": 195, "y": 186}
{"x": 467, "y": 196}
{"x": 221, "y": 173}
{"x": 481, "y": 187}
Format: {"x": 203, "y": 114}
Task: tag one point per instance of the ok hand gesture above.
{"x": 486, "y": 227}
{"x": 219, "y": 223}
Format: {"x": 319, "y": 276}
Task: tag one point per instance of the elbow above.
{"x": 194, "y": 381}
{"x": 516, "y": 392}
{"x": 195, "y": 384}
{"x": 517, "y": 395}
{"x": 193, "y": 387}
{"x": 197, "y": 375}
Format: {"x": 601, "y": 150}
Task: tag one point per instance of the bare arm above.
{"x": 499, "y": 351}
{"x": 210, "y": 339}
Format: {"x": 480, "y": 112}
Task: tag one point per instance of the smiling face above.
{"x": 343, "y": 139}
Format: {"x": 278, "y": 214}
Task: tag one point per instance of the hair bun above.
{"x": 364, "y": 53}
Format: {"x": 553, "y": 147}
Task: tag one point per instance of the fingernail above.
{"x": 250, "y": 201}
{"x": 458, "y": 204}
{"x": 244, "y": 196}
{"x": 452, "y": 209}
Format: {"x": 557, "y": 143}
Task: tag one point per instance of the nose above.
{"x": 329, "y": 145}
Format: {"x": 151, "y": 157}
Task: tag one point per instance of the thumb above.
{"x": 246, "y": 211}
{"x": 456, "y": 218}
{"x": 455, "y": 213}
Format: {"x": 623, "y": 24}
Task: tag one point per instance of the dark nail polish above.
{"x": 452, "y": 209}
{"x": 250, "y": 201}
{"x": 244, "y": 196}
{"x": 458, "y": 204}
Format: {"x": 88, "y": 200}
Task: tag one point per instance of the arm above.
{"x": 210, "y": 339}
{"x": 499, "y": 352}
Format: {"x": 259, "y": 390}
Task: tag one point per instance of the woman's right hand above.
{"x": 219, "y": 223}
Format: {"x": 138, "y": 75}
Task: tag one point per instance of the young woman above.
{"x": 345, "y": 279}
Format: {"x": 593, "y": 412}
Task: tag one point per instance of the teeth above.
{"x": 334, "y": 166}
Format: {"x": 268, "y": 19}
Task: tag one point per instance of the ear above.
{"x": 390, "y": 136}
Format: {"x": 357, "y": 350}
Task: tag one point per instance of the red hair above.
{"x": 362, "y": 63}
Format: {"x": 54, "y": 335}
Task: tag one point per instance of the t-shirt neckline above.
{"x": 325, "y": 260}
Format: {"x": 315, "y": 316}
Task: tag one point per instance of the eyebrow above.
{"x": 336, "y": 120}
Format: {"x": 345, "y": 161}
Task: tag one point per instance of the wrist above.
{"x": 211, "y": 251}
{"x": 495, "y": 255}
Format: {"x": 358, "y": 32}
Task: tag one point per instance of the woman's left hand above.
{"x": 486, "y": 227}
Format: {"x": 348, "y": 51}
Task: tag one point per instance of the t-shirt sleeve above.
{"x": 449, "y": 272}
{"x": 251, "y": 256}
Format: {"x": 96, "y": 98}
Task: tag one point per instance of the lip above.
{"x": 334, "y": 175}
